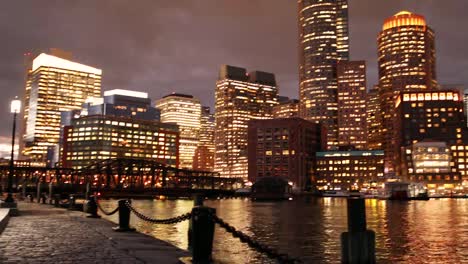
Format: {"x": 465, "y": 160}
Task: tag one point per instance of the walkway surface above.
{"x": 44, "y": 234}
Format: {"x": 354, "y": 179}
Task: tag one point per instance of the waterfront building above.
{"x": 323, "y": 41}
{"x": 285, "y": 148}
{"x": 53, "y": 85}
{"x": 204, "y": 154}
{"x": 286, "y": 108}
{"x": 89, "y": 139}
{"x": 352, "y": 116}
{"x": 239, "y": 97}
{"x": 406, "y": 58}
{"x": 349, "y": 170}
{"x": 436, "y": 164}
{"x": 185, "y": 111}
{"x": 374, "y": 126}
{"x": 435, "y": 115}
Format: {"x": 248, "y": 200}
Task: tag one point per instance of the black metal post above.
{"x": 9, "y": 198}
{"x": 71, "y": 202}
{"x": 202, "y": 234}
{"x": 124, "y": 217}
{"x": 91, "y": 207}
{"x": 358, "y": 244}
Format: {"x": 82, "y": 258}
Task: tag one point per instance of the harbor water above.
{"x": 434, "y": 231}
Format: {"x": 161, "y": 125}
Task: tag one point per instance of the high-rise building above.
{"x": 285, "y": 148}
{"x": 323, "y": 41}
{"x": 185, "y": 111}
{"x": 239, "y": 97}
{"x": 204, "y": 154}
{"x": 406, "y": 54}
{"x": 352, "y": 116}
{"x": 53, "y": 85}
{"x": 286, "y": 108}
{"x": 374, "y": 133}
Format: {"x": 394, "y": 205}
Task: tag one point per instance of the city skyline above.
{"x": 153, "y": 67}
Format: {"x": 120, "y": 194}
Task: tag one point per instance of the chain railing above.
{"x": 255, "y": 245}
{"x": 358, "y": 245}
{"x": 104, "y": 210}
{"x": 173, "y": 220}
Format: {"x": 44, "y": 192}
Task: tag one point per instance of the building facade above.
{"x": 352, "y": 116}
{"x": 435, "y": 115}
{"x": 286, "y": 109}
{"x": 406, "y": 58}
{"x": 374, "y": 124}
{"x": 89, "y": 139}
{"x": 185, "y": 111}
{"x": 349, "y": 170}
{"x": 204, "y": 153}
{"x": 239, "y": 97}
{"x": 53, "y": 85}
{"x": 435, "y": 164}
{"x": 283, "y": 147}
{"x": 323, "y": 41}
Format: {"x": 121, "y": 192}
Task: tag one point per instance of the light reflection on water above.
{"x": 434, "y": 231}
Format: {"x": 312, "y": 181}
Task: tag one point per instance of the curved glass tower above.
{"x": 406, "y": 54}
{"x": 323, "y": 41}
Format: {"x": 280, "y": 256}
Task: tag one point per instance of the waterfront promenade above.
{"x": 44, "y": 234}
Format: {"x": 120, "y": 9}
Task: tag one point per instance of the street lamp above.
{"x": 15, "y": 109}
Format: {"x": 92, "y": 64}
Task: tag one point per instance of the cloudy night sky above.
{"x": 164, "y": 46}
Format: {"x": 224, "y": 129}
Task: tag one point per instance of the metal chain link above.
{"x": 104, "y": 211}
{"x": 244, "y": 238}
{"x": 173, "y": 220}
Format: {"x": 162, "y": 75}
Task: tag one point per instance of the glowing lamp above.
{"x": 15, "y": 106}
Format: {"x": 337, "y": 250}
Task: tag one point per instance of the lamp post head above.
{"x": 15, "y": 106}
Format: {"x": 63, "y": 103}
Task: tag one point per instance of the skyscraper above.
{"x": 53, "y": 85}
{"x": 239, "y": 97}
{"x": 352, "y": 117}
{"x": 185, "y": 111}
{"x": 204, "y": 154}
{"x": 323, "y": 41}
{"x": 406, "y": 62}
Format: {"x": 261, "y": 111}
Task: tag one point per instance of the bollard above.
{"x": 43, "y": 198}
{"x": 57, "y": 200}
{"x": 88, "y": 190}
{"x": 358, "y": 244}
{"x": 202, "y": 234}
{"x": 91, "y": 207}
{"x": 197, "y": 201}
{"x": 124, "y": 217}
{"x": 51, "y": 192}
{"x": 71, "y": 202}
{"x": 38, "y": 192}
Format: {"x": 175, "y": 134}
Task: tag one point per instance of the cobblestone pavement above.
{"x": 43, "y": 234}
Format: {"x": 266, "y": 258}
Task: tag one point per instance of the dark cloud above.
{"x": 161, "y": 46}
